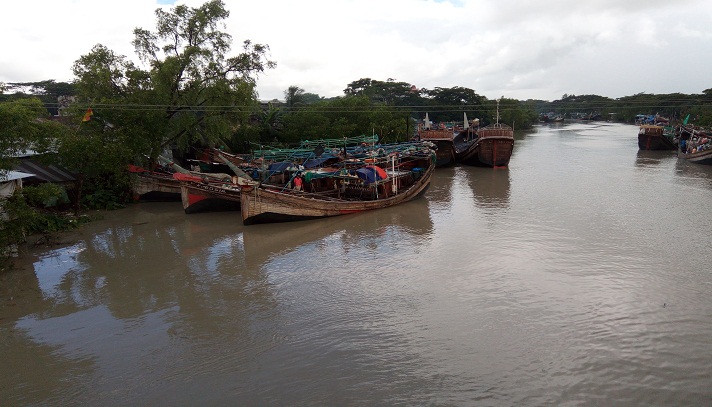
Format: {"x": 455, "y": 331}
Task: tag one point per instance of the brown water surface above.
{"x": 580, "y": 275}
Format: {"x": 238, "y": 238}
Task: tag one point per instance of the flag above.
{"x": 87, "y": 115}
{"x": 686, "y": 119}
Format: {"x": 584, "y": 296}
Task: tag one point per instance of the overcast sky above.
{"x": 513, "y": 48}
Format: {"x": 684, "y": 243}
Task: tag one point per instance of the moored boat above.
{"x": 442, "y": 137}
{"x": 698, "y": 157}
{"x": 153, "y": 185}
{"x": 654, "y": 137}
{"x": 374, "y": 183}
{"x": 200, "y": 195}
{"x": 695, "y": 145}
{"x": 495, "y": 145}
{"x": 160, "y": 185}
{"x": 466, "y": 142}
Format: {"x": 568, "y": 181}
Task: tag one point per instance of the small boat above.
{"x": 654, "y": 137}
{"x": 356, "y": 186}
{"x": 495, "y": 144}
{"x": 442, "y": 137}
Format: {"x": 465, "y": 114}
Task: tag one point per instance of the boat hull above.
{"x": 466, "y": 146}
{"x": 495, "y": 151}
{"x": 445, "y": 153}
{"x": 197, "y": 197}
{"x": 495, "y": 144}
{"x": 153, "y": 187}
{"x": 700, "y": 157}
{"x": 443, "y": 140}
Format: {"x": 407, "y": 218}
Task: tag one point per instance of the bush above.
{"x": 34, "y": 210}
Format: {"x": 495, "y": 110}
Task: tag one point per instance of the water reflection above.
{"x": 442, "y": 187}
{"x": 263, "y": 242}
{"x": 694, "y": 175}
{"x": 491, "y": 188}
{"x": 652, "y": 158}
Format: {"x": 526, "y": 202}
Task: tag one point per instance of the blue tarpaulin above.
{"x": 279, "y": 167}
{"x": 315, "y": 162}
{"x": 371, "y": 174}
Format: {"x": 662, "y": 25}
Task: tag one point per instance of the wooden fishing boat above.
{"x": 653, "y": 137}
{"x": 698, "y": 157}
{"x": 355, "y": 187}
{"x": 695, "y": 144}
{"x": 466, "y": 142}
{"x": 495, "y": 144}
{"x": 200, "y": 195}
{"x": 442, "y": 137}
{"x": 160, "y": 185}
{"x": 203, "y": 193}
{"x": 147, "y": 185}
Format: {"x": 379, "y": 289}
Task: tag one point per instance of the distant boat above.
{"x": 442, "y": 137}
{"x": 653, "y": 137}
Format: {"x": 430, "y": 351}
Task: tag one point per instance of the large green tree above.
{"x": 192, "y": 92}
{"x": 449, "y": 104}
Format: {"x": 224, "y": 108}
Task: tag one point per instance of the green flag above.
{"x": 686, "y": 119}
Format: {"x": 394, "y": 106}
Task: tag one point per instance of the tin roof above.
{"x": 45, "y": 173}
{"x": 13, "y": 175}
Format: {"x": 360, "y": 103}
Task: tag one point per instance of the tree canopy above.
{"x": 192, "y": 91}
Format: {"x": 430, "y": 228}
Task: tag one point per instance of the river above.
{"x": 580, "y": 275}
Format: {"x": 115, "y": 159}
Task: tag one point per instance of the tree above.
{"x": 451, "y": 103}
{"x": 191, "y": 93}
{"x": 390, "y": 92}
{"x": 271, "y": 124}
{"x": 25, "y": 125}
{"x": 49, "y": 92}
{"x": 293, "y": 97}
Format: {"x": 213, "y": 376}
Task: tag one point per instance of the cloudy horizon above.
{"x": 520, "y": 50}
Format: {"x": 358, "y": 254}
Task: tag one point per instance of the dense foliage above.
{"x": 676, "y": 106}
